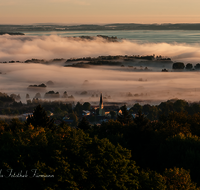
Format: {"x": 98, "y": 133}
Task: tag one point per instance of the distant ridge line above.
{"x": 116, "y": 26}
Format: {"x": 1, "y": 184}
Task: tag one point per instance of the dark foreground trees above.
{"x": 172, "y": 141}
{"x": 75, "y": 160}
{"x": 40, "y": 118}
{"x": 101, "y": 157}
{"x": 69, "y": 159}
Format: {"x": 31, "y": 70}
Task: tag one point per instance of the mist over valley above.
{"x": 123, "y": 70}
{"x": 116, "y": 85}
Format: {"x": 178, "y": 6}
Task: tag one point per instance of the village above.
{"x": 95, "y": 114}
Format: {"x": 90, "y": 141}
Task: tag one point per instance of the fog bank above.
{"x": 50, "y": 47}
{"x": 116, "y": 85}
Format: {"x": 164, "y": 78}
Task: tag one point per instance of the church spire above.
{"x": 101, "y": 110}
{"x": 101, "y": 99}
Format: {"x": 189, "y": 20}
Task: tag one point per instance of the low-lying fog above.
{"x": 50, "y": 47}
{"x": 116, "y": 85}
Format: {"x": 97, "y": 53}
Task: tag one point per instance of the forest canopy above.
{"x": 120, "y": 154}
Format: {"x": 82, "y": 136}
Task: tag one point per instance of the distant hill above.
{"x": 120, "y": 26}
{"x": 12, "y": 33}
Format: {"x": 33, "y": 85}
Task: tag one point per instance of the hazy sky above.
{"x": 99, "y": 11}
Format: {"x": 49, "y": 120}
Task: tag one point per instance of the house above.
{"x": 24, "y": 116}
{"x": 85, "y": 113}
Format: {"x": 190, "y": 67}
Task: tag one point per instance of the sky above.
{"x": 99, "y": 12}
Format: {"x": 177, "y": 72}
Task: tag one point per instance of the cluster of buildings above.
{"x": 97, "y": 114}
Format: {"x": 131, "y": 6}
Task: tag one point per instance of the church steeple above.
{"x": 101, "y": 110}
{"x": 101, "y": 101}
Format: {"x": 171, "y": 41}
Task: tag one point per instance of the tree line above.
{"x": 188, "y": 66}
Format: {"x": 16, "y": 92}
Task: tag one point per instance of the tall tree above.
{"x": 140, "y": 119}
{"x": 78, "y": 108}
{"x": 40, "y": 118}
{"x": 86, "y": 106}
{"x": 84, "y": 124}
{"x": 74, "y": 118}
{"x": 125, "y": 117}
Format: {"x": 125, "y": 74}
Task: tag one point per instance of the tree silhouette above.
{"x": 78, "y": 108}
{"x": 178, "y": 65}
{"x": 74, "y": 118}
{"x": 197, "y": 66}
{"x": 136, "y": 108}
{"x": 86, "y": 106}
{"x": 113, "y": 114}
{"x": 84, "y": 124}
{"x": 189, "y": 66}
{"x": 40, "y": 118}
{"x": 125, "y": 117}
{"x": 140, "y": 119}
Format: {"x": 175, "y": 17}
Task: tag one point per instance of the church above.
{"x": 105, "y": 110}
